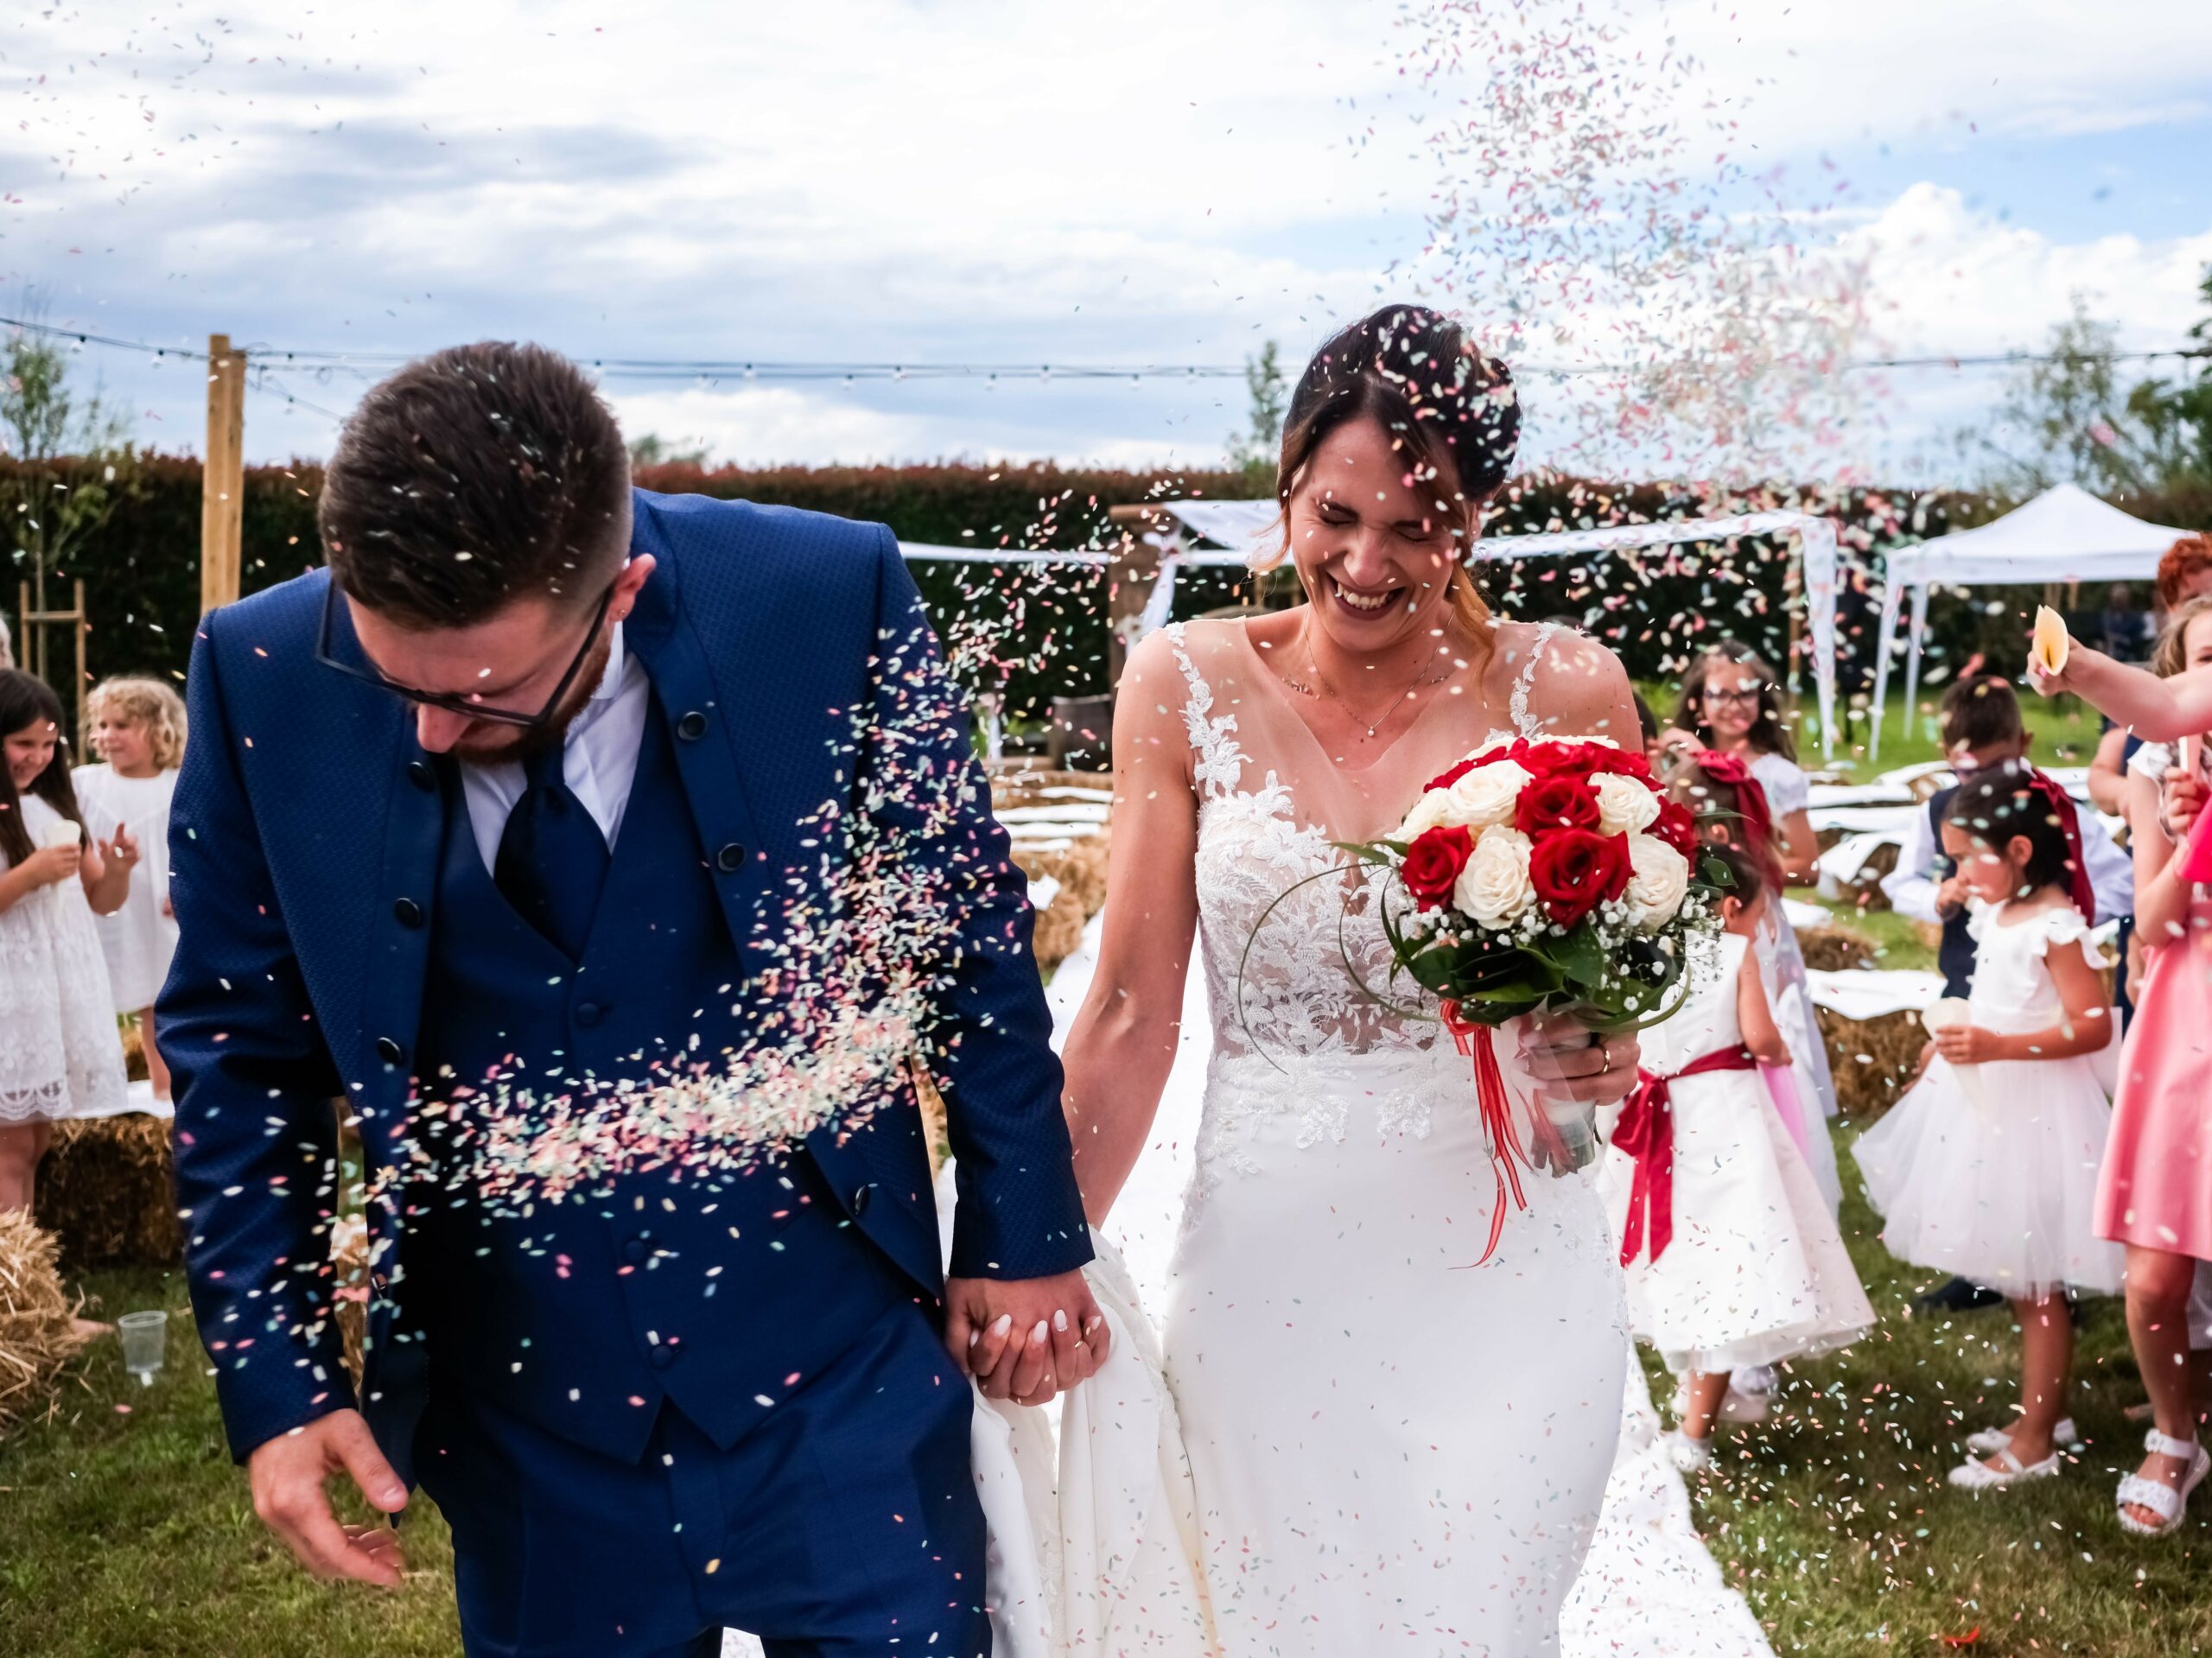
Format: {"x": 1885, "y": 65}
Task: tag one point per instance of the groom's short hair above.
{"x": 473, "y": 477}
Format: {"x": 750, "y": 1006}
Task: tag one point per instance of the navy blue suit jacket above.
{"x": 296, "y": 828}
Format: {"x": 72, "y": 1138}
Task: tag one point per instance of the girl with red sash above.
{"x": 1731, "y": 1256}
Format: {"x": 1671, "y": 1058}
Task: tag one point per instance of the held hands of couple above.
{"x": 1027, "y": 1338}
{"x": 289, "y": 1473}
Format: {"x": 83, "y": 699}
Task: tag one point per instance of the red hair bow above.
{"x": 2078, "y": 887}
{"x": 1750, "y": 798}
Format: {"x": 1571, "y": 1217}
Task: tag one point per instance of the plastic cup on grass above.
{"x": 145, "y": 1338}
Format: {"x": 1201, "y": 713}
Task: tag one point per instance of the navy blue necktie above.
{"x": 552, "y": 858}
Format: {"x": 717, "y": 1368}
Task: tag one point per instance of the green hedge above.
{"x": 143, "y": 579}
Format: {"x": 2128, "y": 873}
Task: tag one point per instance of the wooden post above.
{"x": 222, "y": 507}
{"x": 35, "y": 658}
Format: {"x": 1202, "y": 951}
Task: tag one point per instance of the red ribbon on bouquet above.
{"x": 1477, "y": 1042}
{"x": 1646, "y": 1132}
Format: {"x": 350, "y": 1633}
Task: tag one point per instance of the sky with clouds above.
{"x": 988, "y": 183}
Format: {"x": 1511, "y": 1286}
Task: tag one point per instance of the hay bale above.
{"x": 1874, "y": 1060}
{"x": 1060, "y": 930}
{"x": 1864, "y": 890}
{"x": 349, "y": 1273}
{"x": 107, "y": 1190}
{"x": 1834, "y": 950}
{"x": 1080, "y": 869}
{"x": 38, "y": 1334}
{"x": 133, "y": 1050}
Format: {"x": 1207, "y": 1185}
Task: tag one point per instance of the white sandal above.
{"x": 2011, "y": 1470}
{"x": 1991, "y": 1439}
{"x": 2169, "y": 1504}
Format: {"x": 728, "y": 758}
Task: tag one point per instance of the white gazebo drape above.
{"x": 2065, "y": 534}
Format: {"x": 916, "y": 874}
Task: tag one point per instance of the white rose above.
{"x": 1433, "y": 809}
{"x": 1494, "y": 889}
{"x": 1625, "y": 806}
{"x": 1658, "y": 881}
{"x": 1488, "y": 794}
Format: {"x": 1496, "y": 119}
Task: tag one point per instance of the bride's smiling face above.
{"x": 1373, "y": 541}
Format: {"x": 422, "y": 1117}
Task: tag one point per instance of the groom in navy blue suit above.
{"x": 530, "y": 794}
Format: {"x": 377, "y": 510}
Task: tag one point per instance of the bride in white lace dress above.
{"x": 1390, "y": 1447}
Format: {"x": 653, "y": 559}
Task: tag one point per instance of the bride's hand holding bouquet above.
{"x": 1548, "y": 878}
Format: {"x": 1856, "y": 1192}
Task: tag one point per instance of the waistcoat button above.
{"x": 407, "y": 911}
{"x": 588, "y": 1014}
{"x": 389, "y": 1050}
{"x": 730, "y": 858}
{"x": 634, "y": 1250}
{"x": 691, "y": 727}
{"x": 419, "y": 774}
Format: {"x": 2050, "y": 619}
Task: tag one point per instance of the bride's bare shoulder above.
{"x": 1574, "y": 685}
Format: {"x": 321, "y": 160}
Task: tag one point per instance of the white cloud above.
{"x": 890, "y": 181}
{"x": 765, "y": 425}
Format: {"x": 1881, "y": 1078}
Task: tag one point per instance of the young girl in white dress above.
{"x": 138, "y": 732}
{"x": 59, "y": 1054}
{"x": 1732, "y": 1258}
{"x": 1732, "y": 709}
{"x": 1987, "y": 1167}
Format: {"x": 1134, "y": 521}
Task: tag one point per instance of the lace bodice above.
{"x": 1305, "y": 1017}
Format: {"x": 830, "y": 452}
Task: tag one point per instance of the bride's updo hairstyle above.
{"x": 1450, "y": 410}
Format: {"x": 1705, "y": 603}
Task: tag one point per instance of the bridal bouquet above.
{"x": 1542, "y": 874}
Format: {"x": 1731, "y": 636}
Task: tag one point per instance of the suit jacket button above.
{"x": 730, "y": 858}
{"x": 691, "y": 727}
{"x": 389, "y": 1050}
{"x": 408, "y": 912}
{"x": 661, "y": 1355}
{"x": 859, "y": 1201}
{"x": 419, "y": 774}
{"x": 634, "y": 1251}
{"x": 588, "y": 1014}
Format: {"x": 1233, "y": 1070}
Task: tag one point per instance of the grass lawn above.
{"x": 127, "y": 1532}
{"x": 2063, "y": 733}
{"x": 1833, "y": 1519}
{"x": 125, "y": 1529}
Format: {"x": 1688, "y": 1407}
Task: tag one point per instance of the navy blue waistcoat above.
{"x": 580, "y": 1315}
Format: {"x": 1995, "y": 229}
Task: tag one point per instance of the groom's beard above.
{"x": 496, "y": 744}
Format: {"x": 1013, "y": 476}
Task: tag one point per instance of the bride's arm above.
{"x": 1122, "y": 1044}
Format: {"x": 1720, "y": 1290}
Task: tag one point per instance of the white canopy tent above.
{"x": 2065, "y": 534}
{"x": 1242, "y": 525}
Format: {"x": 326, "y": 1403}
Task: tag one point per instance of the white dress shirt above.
{"x": 1910, "y": 887}
{"x": 598, "y": 758}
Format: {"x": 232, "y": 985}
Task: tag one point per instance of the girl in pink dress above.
{"x": 2155, "y": 1193}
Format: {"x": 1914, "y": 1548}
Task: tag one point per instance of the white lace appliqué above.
{"x": 1287, "y": 950}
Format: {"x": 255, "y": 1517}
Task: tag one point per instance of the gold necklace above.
{"x": 1304, "y": 689}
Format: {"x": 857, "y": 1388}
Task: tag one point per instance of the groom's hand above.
{"x": 287, "y": 1473}
{"x": 1024, "y": 1339}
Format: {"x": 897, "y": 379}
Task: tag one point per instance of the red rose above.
{"x": 1574, "y": 871}
{"x": 1555, "y": 803}
{"x": 1433, "y": 864}
{"x": 1580, "y": 760}
{"x": 1445, "y": 779}
{"x": 1677, "y": 825}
